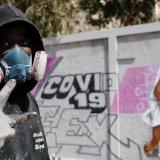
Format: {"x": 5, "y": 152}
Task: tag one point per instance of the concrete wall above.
{"x": 95, "y": 91}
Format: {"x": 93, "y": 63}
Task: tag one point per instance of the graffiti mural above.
{"x": 134, "y": 90}
{"x": 73, "y": 102}
{"x": 76, "y": 116}
{"x": 86, "y": 90}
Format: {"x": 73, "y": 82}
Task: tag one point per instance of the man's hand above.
{"x": 6, "y": 121}
{"x": 9, "y": 122}
{"x": 6, "y": 91}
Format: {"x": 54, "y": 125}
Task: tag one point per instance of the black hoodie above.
{"x": 29, "y": 141}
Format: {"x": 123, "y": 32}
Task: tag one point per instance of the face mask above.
{"x": 16, "y": 64}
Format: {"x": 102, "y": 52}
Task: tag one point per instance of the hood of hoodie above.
{"x": 10, "y": 14}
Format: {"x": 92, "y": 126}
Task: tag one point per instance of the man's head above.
{"x": 16, "y": 34}
{"x": 12, "y": 17}
{"x": 19, "y": 37}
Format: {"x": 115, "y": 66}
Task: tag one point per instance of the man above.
{"x": 21, "y": 63}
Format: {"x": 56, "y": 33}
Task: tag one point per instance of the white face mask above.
{"x": 16, "y": 64}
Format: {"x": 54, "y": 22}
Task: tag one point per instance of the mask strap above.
{"x": 30, "y": 59}
{"x": 4, "y": 63}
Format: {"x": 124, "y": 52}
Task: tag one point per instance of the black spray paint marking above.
{"x": 90, "y": 90}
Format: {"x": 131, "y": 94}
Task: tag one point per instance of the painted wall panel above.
{"x": 73, "y": 101}
{"x": 96, "y": 90}
{"x": 136, "y": 78}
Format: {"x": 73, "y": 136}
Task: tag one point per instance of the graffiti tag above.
{"x": 90, "y": 90}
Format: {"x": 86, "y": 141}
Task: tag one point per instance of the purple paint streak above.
{"x": 134, "y": 90}
{"x": 51, "y": 64}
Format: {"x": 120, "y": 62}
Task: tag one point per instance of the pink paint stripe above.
{"x": 52, "y": 61}
{"x": 134, "y": 90}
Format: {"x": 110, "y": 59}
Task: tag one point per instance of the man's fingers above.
{"x": 8, "y": 88}
{"x": 6, "y": 130}
{"x": 6, "y": 91}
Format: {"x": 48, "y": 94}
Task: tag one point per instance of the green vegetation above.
{"x": 54, "y": 17}
{"x": 128, "y": 12}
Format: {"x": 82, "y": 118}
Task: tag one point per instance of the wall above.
{"x": 95, "y": 91}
